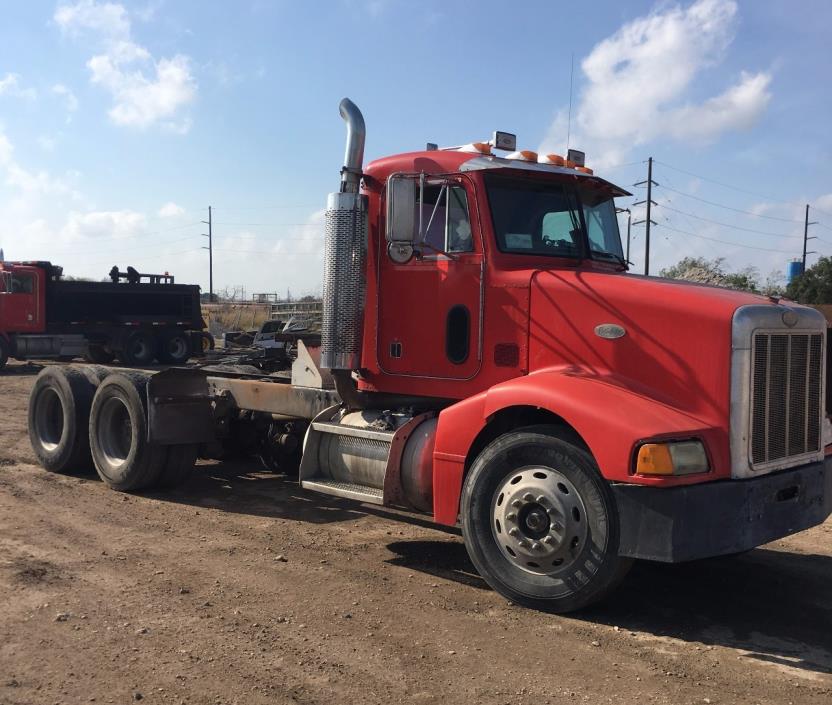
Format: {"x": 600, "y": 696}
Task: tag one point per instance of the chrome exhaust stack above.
{"x": 345, "y": 255}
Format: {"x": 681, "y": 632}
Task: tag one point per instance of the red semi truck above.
{"x": 486, "y": 359}
{"x": 135, "y": 317}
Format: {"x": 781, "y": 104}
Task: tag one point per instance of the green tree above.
{"x": 714, "y": 272}
{"x": 814, "y": 286}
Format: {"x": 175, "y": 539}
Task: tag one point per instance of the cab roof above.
{"x": 452, "y": 161}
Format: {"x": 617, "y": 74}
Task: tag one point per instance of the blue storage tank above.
{"x": 795, "y": 269}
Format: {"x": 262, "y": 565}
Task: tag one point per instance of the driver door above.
{"x": 430, "y": 306}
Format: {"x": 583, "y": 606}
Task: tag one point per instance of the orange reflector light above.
{"x": 554, "y": 159}
{"x": 584, "y": 169}
{"x": 568, "y": 164}
{"x": 654, "y": 459}
{"x": 477, "y": 147}
{"x": 525, "y": 155}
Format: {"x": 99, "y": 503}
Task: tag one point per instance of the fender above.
{"x": 605, "y": 411}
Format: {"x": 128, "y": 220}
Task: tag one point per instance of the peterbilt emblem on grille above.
{"x": 790, "y": 318}
{"x": 609, "y": 331}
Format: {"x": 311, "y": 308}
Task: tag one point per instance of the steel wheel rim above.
{"x": 538, "y": 519}
{"x": 140, "y": 349}
{"x": 49, "y": 419}
{"x": 177, "y": 347}
{"x": 115, "y": 433}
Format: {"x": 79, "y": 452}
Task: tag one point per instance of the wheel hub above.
{"x": 539, "y": 520}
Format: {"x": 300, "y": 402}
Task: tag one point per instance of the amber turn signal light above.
{"x": 677, "y": 458}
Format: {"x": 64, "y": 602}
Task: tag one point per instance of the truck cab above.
{"x": 21, "y": 298}
{"x": 486, "y": 358}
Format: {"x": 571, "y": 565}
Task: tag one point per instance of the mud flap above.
{"x": 179, "y": 408}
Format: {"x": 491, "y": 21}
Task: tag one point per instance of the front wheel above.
{"x": 540, "y": 523}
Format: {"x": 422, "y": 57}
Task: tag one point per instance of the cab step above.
{"x": 348, "y": 490}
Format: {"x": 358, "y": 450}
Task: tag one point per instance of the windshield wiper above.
{"x": 610, "y": 255}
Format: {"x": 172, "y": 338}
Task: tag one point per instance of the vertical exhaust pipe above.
{"x": 345, "y": 255}
{"x": 354, "y": 152}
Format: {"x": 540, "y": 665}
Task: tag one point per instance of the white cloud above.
{"x": 145, "y": 91}
{"x": 47, "y": 143}
{"x": 70, "y": 100}
{"x": 738, "y": 108}
{"x": 26, "y": 183}
{"x": 140, "y": 101}
{"x": 824, "y": 202}
{"x": 637, "y": 81}
{"x": 102, "y": 225}
{"x": 10, "y": 86}
{"x": 106, "y": 18}
{"x": 170, "y": 210}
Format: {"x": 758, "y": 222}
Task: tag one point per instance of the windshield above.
{"x": 536, "y": 217}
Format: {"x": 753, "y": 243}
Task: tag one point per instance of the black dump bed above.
{"x": 80, "y": 302}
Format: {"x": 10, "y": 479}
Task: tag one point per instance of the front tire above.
{"x": 540, "y": 523}
{"x": 4, "y": 352}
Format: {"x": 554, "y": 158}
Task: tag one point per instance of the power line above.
{"x": 272, "y": 207}
{"x": 262, "y": 225}
{"x": 730, "y": 208}
{"x": 722, "y": 242}
{"x": 726, "y": 225}
{"x": 721, "y": 183}
{"x": 267, "y": 252}
{"x": 132, "y": 249}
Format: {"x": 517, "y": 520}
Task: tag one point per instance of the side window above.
{"x": 445, "y": 219}
{"x": 23, "y": 284}
{"x": 459, "y": 235}
{"x": 433, "y": 216}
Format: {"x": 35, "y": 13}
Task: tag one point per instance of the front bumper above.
{"x": 686, "y": 523}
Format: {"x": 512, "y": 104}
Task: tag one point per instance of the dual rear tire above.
{"x": 83, "y": 418}
{"x": 142, "y": 347}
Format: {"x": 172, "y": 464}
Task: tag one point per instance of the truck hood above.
{"x": 666, "y": 339}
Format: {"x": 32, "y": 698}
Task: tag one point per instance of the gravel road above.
{"x": 242, "y": 588}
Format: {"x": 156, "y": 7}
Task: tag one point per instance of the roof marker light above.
{"x": 504, "y": 140}
{"x": 576, "y": 156}
{"x": 584, "y": 169}
{"x": 525, "y": 155}
{"x": 553, "y": 159}
{"x": 476, "y": 147}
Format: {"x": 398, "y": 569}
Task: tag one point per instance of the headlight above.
{"x": 675, "y": 458}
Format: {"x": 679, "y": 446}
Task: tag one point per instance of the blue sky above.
{"x": 121, "y": 122}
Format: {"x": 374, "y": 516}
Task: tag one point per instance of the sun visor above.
{"x": 482, "y": 163}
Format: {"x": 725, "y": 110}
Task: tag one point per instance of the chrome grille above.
{"x": 785, "y": 395}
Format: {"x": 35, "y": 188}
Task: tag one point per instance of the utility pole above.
{"x": 210, "y": 249}
{"x": 647, "y": 221}
{"x": 629, "y": 220}
{"x": 806, "y": 238}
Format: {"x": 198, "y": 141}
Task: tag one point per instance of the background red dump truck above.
{"x": 486, "y": 359}
{"x": 135, "y": 317}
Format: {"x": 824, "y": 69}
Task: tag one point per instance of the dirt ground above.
{"x": 242, "y": 588}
